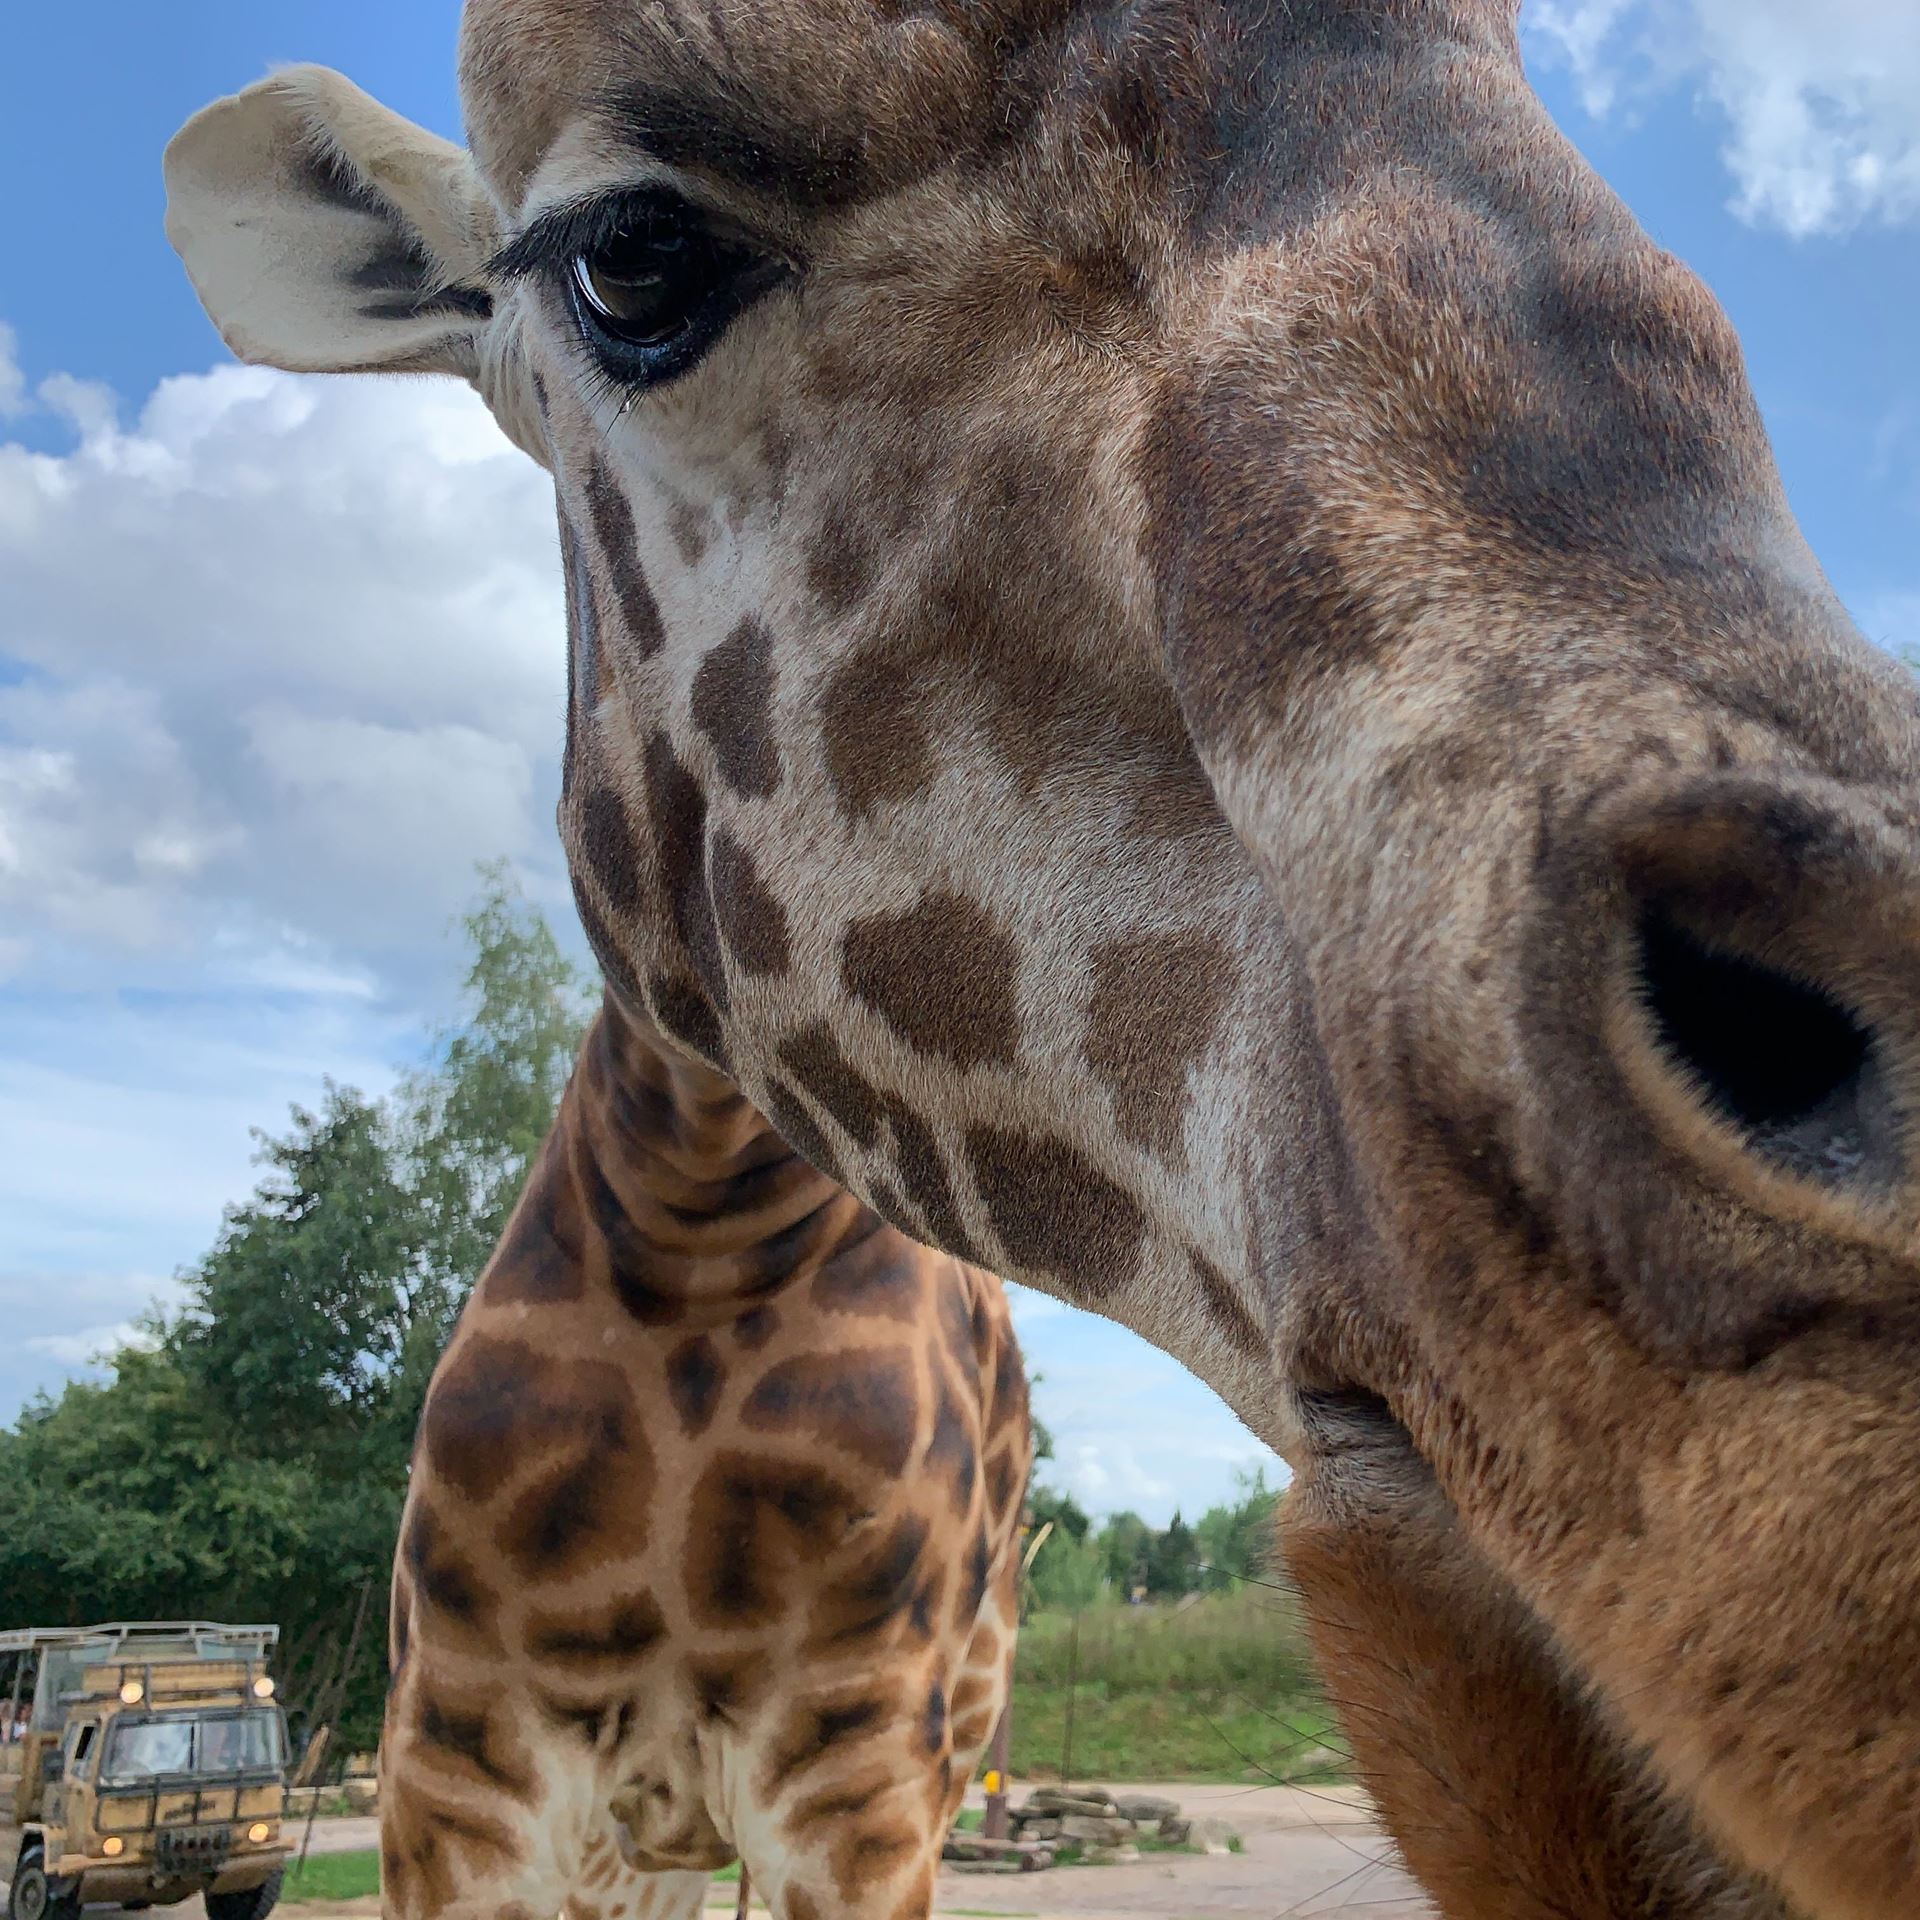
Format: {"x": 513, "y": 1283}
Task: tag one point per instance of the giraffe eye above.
{"x": 655, "y": 292}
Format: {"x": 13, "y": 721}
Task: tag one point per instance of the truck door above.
{"x": 82, "y": 1758}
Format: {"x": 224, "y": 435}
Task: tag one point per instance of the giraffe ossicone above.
{"x": 1188, "y": 662}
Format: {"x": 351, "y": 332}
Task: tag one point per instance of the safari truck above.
{"x": 141, "y": 1764}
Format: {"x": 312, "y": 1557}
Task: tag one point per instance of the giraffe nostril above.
{"x": 1777, "y": 1055}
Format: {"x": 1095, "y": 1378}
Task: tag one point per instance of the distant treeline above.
{"x": 1124, "y": 1559}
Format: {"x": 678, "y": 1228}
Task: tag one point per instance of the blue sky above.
{"x": 280, "y": 660}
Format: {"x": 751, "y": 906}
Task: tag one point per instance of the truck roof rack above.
{"x": 112, "y": 1637}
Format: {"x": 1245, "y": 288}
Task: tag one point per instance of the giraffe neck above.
{"x": 661, "y": 1180}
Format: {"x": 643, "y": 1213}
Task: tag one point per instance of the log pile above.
{"x": 1091, "y": 1825}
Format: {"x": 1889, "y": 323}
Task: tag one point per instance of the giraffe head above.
{"x": 1188, "y": 660}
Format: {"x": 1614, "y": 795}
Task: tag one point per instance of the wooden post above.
{"x": 997, "y": 1826}
{"x": 1073, "y": 1683}
{"x": 339, "y": 1700}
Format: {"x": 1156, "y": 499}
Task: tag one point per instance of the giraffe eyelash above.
{"x": 585, "y": 225}
{"x": 651, "y": 282}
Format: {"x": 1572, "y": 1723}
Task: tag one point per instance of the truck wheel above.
{"x": 29, "y": 1897}
{"x": 250, "y": 1903}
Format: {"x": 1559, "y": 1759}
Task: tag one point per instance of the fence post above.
{"x": 996, "y": 1824}
{"x": 1073, "y": 1681}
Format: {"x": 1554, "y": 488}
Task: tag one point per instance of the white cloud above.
{"x": 13, "y": 383}
{"x": 284, "y": 656}
{"x": 1820, "y": 103}
{"x": 92, "y": 1347}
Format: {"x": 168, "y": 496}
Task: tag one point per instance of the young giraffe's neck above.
{"x": 661, "y": 1180}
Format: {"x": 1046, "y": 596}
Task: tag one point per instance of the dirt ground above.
{"x": 1310, "y": 1853}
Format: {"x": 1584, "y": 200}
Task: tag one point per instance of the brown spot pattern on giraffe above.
{"x": 732, "y": 705}
{"x": 1056, "y": 1212}
{"x": 764, "y": 1520}
{"x": 950, "y": 1450}
{"x": 923, "y": 1172}
{"x": 531, "y": 1265}
{"x": 492, "y": 1392}
{"x": 469, "y": 1738}
{"x": 869, "y": 1414}
{"x": 685, "y": 1014}
{"x": 752, "y": 922}
{"x": 1155, "y": 1001}
{"x": 754, "y": 1328}
{"x": 811, "y": 1728}
{"x": 609, "y": 850}
{"x": 692, "y": 528}
{"x": 693, "y": 1383}
{"x": 887, "y": 961}
{"x": 585, "y": 1510}
{"x": 634, "y": 611}
{"x": 441, "y": 1578}
{"x": 632, "y": 1628}
{"x": 1227, "y": 1312}
{"x": 677, "y": 807}
{"x": 814, "y": 1058}
{"x": 868, "y": 1280}
{"x": 880, "y": 1587}
{"x": 800, "y": 1131}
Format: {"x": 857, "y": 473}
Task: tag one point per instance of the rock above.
{"x": 361, "y": 1796}
{"x": 1070, "y": 1800}
{"x": 976, "y": 1846}
{"x": 1096, "y": 1831}
{"x": 1037, "y": 1826}
{"x": 1176, "y": 1832}
{"x": 1147, "y": 1808}
{"x": 1214, "y": 1836}
{"x": 987, "y": 1866}
{"x": 1109, "y": 1856}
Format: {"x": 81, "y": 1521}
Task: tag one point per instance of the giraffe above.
{"x": 1188, "y": 661}
{"x": 712, "y": 1535}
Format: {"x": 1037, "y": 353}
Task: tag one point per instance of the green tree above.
{"x": 297, "y": 1321}
{"x": 1068, "y": 1573}
{"x": 1172, "y": 1561}
{"x": 470, "y": 1123}
{"x": 1123, "y": 1543}
{"x": 474, "y": 1119}
{"x": 1235, "y": 1541}
{"x": 1050, "y": 1504}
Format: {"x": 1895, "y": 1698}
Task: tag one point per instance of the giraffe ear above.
{"x": 325, "y": 234}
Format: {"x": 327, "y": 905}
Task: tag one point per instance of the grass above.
{"x": 1221, "y": 1689}
{"x": 356, "y": 1876}
{"x": 334, "y": 1876}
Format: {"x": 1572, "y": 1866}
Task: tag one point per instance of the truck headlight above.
{"x": 263, "y": 1688}
{"x": 113, "y": 1846}
{"x": 132, "y": 1693}
{"x": 259, "y": 1833}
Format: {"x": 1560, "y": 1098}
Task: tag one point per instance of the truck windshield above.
{"x": 211, "y": 1743}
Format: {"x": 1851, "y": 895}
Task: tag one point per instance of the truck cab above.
{"x": 141, "y": 1764}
